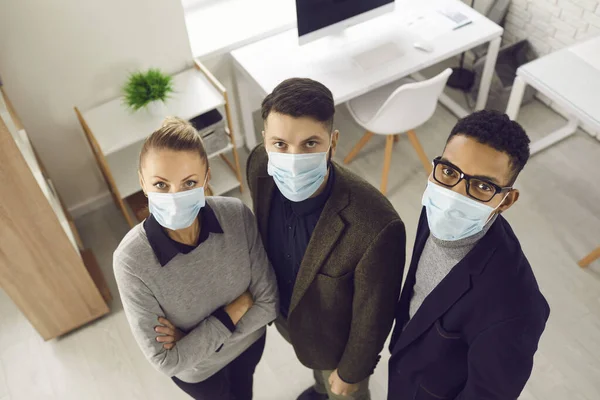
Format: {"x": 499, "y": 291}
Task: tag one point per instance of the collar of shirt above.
{"x": 166, "y": 248}
{"x": 312, "y": 204}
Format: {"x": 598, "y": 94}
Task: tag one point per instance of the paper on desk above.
{"x": 589, "y": 52}
{"x": 431, "y": 26}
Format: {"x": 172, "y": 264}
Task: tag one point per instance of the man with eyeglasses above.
{"x": 471, "y": 314}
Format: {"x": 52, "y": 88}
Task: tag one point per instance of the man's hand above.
{"x": 239, "y": 307}
{"x": 339, "y": 387}
{"x": 170, "y": 334}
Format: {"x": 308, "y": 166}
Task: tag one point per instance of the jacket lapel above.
{"x": 456, "y": 283}
{"x": 448, "y": 291}
{"x": 264, "y": 196}
{"x": 324, "y": 238}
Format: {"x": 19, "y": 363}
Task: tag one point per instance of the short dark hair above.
{"x": 495, "y": 129}
{"x": 301, "y": 97}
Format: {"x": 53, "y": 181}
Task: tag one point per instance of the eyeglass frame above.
{"x": 467, "y": 178}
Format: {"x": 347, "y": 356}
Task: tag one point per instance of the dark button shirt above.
{"x": 291, "y": 226}
{"x": 166, "y": 248}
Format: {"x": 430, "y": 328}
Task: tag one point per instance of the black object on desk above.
{"x": 462, "y": 78}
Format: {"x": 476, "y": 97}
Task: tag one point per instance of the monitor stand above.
{"x": 330, "y": 42}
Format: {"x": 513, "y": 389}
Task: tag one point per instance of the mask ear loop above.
{"x": 495, "y": 209}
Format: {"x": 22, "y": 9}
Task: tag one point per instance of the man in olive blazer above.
{"x": 343, "y": 294}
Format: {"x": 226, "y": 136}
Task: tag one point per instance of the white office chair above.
{"x": 391, "y": 110}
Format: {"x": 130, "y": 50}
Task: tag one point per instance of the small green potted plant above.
{"x": 149, "y": 89}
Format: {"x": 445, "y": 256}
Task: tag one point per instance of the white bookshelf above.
{"x": 223, "y": 181}
{"x": 115, "y": 127}
{"x": 116, "y": 136}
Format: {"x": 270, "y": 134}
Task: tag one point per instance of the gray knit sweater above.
{"x": 437, "y": 260}
{"x": 190, "y": 287}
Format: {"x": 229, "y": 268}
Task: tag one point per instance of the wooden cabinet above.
{"x": 44, "y": 268}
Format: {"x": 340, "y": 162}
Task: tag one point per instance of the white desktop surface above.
{"x": 571, "y": 78}
{"x": 329, "y": 60}
{"x": 589, "y": 52}
{"x": 332, "y": 60}
{"x": 219, "y": 26}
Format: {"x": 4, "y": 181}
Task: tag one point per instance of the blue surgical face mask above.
{"x": 177, "y": 210}
{"x": 298, "y": 176}
{"x": 452, "y": 216}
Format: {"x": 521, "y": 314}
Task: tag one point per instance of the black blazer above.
{"x": 349, "y": 281}
{"x": 475, "y": 335}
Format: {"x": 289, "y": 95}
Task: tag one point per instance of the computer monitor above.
{"x": 319, "y": 18}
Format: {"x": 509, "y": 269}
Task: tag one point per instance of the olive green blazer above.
{"x": 349, "y": 280}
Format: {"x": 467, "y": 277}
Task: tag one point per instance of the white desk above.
{"x": 260, "y": 66}
{"x": 571, "y": 78}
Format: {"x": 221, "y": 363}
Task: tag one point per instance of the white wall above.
{"x": 61, "y": 53}
{"x": 550, "y": 25}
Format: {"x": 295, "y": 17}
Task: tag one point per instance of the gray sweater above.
{"x": 190, "y": 287}
{"x": 437, "y": 260}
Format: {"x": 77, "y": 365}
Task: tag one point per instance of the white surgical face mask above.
{"x": 177, "y": 210}
{"x": 298, "y": 176}
{"x": 452, "y": 216}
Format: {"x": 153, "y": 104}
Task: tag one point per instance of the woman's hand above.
{"x": 170, "y": 334}
{"x": 239, "y": 307}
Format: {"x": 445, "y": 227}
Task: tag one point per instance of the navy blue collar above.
{"x": 166, "y": 248}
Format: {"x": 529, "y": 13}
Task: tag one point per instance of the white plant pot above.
{"x": 157, "y": 109}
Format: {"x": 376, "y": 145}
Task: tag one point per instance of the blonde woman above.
{"x": 195, "y": 281}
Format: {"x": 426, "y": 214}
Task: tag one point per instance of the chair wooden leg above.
{"x": 590, "y": 258}
{"x": 396, "y": 138}
{"x": 412, "y": 136}
{"x": 387, "y": 161}
{"x": 361, "y": 143}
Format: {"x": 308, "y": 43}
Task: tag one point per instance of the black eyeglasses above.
{"x": 450, "y": 175}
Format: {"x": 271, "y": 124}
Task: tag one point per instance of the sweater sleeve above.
{"x": 377, "y": 281}
{"x": 143, "y": 310}
{"x": 263, "y": 285}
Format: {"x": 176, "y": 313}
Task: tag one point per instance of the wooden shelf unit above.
{"x": 116, "y": 137}
{"x": 44, "y": 267}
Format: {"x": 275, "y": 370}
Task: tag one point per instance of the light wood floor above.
{"x": 557, "y": 220}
